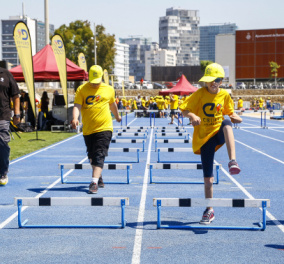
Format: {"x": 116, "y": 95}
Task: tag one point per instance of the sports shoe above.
{"x": 234, "y": 167}
{"x": 101, "y": 182}
{"x": 4, "y": 179}
{"x": 93, "y": 188}
{"x": 208, "y": 217}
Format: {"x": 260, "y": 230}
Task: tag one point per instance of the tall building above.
{"x": 121, "y": 62}
{"x": 159, "y": 57}
{"x": 207, "y": 38}
{"x": 137, "y": 48}
{"x": 179, "y": 32}
{"x": 40, "y": 34}
{"x": 9, "y": 51}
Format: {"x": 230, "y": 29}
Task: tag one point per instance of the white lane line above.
{"x": 280, "y": 161}
{"x": 13, "y": 216}
{"x": 139, "y": 231}
{"x": 269, "y": 215}
{"x": 263, "y": 136}
{"x": 275, "y": 130}
{"x": 34, "y": 153}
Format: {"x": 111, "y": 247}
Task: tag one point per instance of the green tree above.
{"x": 78, "y": 37}
{"x": 204, "y": 64}
{"x": 274, "y": 69}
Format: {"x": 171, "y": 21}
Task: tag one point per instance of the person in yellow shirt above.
{"x": 240, "y": 103}
{"x": 261, "y": 101}
{"x": 206, "y": 109}
{"x": 174, "y": 107}
{"x": 124, "y": 101}
{"x": 161, "y": 105}
{"x": 94, "y": 99}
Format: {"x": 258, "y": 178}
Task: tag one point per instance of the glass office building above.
{"x": 207, "y": 38}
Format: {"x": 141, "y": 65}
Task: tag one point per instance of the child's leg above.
{"x": 230, "y": 141}
{"x": 207, "y": 159}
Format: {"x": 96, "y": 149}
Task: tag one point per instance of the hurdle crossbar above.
{"x": 216, "y": 202}
{"x": 72, "y": 166}
{"x": 174, "y": 150}
{"x": 71, "y": 201}
{"x": 125, "y": 150}
{"x": 137, "y": 135}
{"x": 180, "y": 166}
{"x": 166, "y": 141}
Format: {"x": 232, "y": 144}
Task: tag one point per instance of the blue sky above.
{"x": 125, "y": 18}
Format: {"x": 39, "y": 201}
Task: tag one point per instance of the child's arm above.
{"x": 195, "y": 120}
{"x": 235, "y": 118}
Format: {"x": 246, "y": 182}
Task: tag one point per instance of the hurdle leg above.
{"x": 217, "y": 175}
{"x": 126, "y": 118}
{"x": 151, "y": 167}
{"x": 158, "y": 155}
{"x": 121, "y": 118}
{"x": 158, "y": 214}
{"x": 123, "y": 222}
{"x": 261, "y": 119}
{"x": 263, "y": 225}
{"x": 138, "y": 151}
{"x": 20, "y": 224}
{"x": 61, "y": 174}
{"x": 127, "y": 171}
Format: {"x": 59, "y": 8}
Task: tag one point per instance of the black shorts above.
{"x": 97, "y": 147}
{"x": 173, "y": 112}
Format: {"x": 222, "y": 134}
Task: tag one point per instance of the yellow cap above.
{"x": 95, "y": 74}
{"x": 212, "y": 72}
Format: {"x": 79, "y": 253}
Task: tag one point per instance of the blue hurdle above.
{"x": 195, "y": 202}
{"x": 178, "y": 166}
{"x": 73, "y": 166}
{"x": 71, "y": 201}
{"x": 125, "y": 150}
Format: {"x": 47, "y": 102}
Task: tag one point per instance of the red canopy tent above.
{"x": 45, "y": 68}
{"x": 183, "y": 87}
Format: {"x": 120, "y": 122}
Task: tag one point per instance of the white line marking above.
{"x": 34, "y": 153}
{"x": 269, "y": 215}
{"x": 13, "y": 216}
{"x": 282, "y": 162}
{"x": 263, "y": 136}
{"x": 139, "y": 231}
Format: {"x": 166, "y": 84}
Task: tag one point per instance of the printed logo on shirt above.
{"x": 219, "y": 106}
{"x": 90, "y": 99}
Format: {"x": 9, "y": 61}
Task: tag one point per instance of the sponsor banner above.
{"x": 82, "y": 61}
{"x": 24, "y": 48}
{"x": 106, "y": 78}
{"x": 57, "y": 45}
{"x": 122, "y": 83}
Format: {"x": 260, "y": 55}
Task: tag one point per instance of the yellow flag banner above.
{"x": 57, "y": 45}
{"x": 82, "y": 61}
{"x": 112, "y": 81}
{"x": 106, "y": 78}
{"x": 24, "y": 48}
{"x": 122, "y": 83}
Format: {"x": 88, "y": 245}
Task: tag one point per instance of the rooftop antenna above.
{"x": 23, "y": 10}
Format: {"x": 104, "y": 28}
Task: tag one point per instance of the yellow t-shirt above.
{"x": 95, "y": 110}
{"x": 240, "y": 103}
{"x": 211, "y": 109}
{"x": 160, "y": 103}
{"x": 174, "y": 104}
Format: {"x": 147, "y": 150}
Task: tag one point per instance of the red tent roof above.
{"x": 183, "y": 87}
{"x": 45, "y": 68}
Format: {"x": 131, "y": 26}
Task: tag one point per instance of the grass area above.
{"x": 22, "y": 146}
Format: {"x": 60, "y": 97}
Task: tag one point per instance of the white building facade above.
{"x": 159, "y": 57}
{"x": 121, "y": 62}
{"x": 179, "y": 32}
{"x": 225, "y": 55}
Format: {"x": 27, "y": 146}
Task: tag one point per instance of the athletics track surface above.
{"x": 259, "y": 153}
